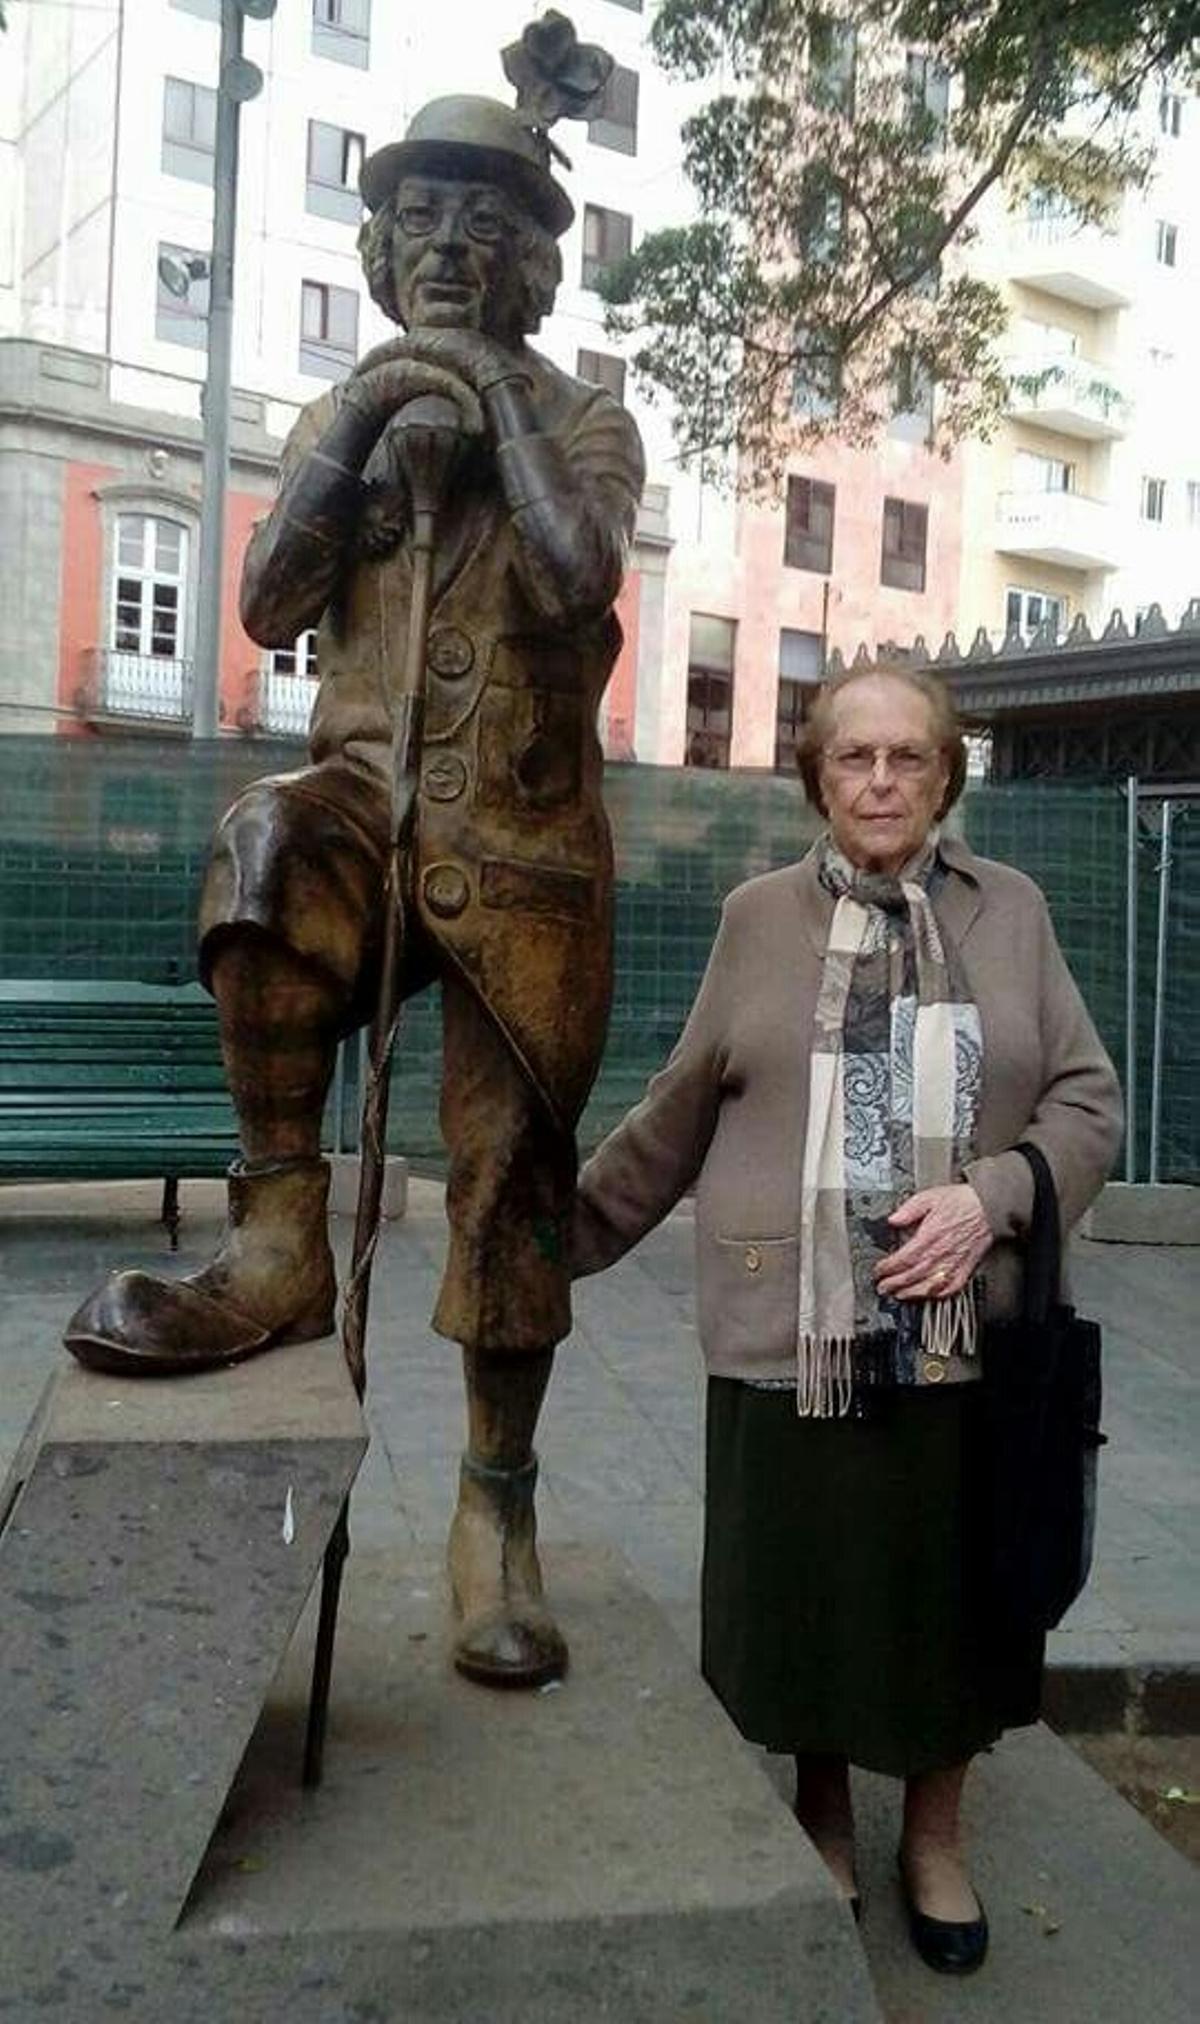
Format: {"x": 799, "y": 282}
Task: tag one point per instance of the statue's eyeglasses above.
{"x": 481, "y": 219}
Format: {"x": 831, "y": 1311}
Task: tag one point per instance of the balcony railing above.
{"x": 1063, "y": 527}
{"x": 284, "y": 703}
{"x": 137, "y": 686}
{"x": 1082, "y": 263}
{"x": 1071, "y": 395}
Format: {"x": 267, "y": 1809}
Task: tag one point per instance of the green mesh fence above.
{"x": 103, "y": 842}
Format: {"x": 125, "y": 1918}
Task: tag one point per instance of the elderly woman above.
{"x": 877, "y": 1029}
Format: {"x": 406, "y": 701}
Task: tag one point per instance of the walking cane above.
{"x": 429, "y": 432}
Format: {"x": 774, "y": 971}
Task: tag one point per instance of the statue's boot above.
{"x": 505, "y": 1635}
{"x": 272, "y": 1281}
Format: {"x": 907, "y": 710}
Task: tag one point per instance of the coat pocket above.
{"x": 747, "y": 1301}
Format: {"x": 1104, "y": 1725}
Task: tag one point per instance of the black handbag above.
{"x": 1041, "y": 1408}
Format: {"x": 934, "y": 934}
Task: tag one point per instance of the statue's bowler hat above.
{"x": 472, "y": 139}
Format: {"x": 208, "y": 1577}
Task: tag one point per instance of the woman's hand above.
{"x": 949, "y": 1235}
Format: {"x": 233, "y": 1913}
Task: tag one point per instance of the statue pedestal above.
{"x": 157, "y": 1542}
{"x": 606, "y": 1849}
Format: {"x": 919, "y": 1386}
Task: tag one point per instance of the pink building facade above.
{"x": 859, "y": 546}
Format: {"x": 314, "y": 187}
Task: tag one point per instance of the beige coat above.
{"x": 728, "y": 1112}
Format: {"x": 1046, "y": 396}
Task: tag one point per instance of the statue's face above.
{"x": 454, "y": 257}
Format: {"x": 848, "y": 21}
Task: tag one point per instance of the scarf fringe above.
{"x": 824, "y": 1376}
{"x": 951, "y": 1327}
{"x": 839, "y": 1375}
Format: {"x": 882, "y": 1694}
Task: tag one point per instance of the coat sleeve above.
{"x": 1077, "y": 1120}
{"x": 649, "y": 1161}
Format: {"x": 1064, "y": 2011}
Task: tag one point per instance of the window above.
{"x": 905, "y": 527}
{"x": 832, "y": 51}
{"x": 189, "y": 130}
{"x": 1154, "y": 499}
{"x": 808, "y": 538}
{"x": 335, "y": 156}
{"x": 709, "y": 691}
{"x": 927, "y": 89}
{"x": 328, "y": 328}
{"x": 634, "y": 6}
{"x": 615, "y": 125}
{"x": 1170, "y": 114}
{"x": 1026, "y": 610}
{"x": 817, "y": 377}
{"x": 1193, "y": 502}
{"x": 1165, "y": 240}
{"x": 912, "y": 398}
{"x": 821, "y": 223}
{"x": 149, "y": 581}
{"x": 181, "y": 308}
{"x": 602, "y": 369}
{"x": 207, "y": 10}
{"x": 286, "y": 690}
{"x": 801, "y": 659}
{"x": 342, "y": 29}
{"x": 1042, "y": 474}
{"x": 1048, "y": 340}
{"x": 607, "y": 238}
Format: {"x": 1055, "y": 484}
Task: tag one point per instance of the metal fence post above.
{"x": 1160, "y": 985}
{"x": 1131, "y": 974}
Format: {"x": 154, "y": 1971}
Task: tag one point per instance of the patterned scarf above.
{"x": 894, "y": 1086}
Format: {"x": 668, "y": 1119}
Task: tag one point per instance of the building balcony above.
{"x": 136, "y": 688}
{"x": 283, "y": 703}
{"x": 1070, "y": 395}
{"x": 1062, "y": 527}
{"x": 1081, "y": 263}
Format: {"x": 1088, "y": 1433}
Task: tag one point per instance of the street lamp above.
{"x": 238, "y": 80}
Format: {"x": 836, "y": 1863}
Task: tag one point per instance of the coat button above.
{"x": 753, "y": 1258}
{"x": 446, "y": 890}
{"x": 935, "y": 1370}
{"x": 444, "y": 778}
{"x": 451, "y": 652}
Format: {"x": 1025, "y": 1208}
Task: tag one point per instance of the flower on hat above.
{"x": 556, "y": 76}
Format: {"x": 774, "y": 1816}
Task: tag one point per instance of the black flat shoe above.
{"x": 949, "y": 1946}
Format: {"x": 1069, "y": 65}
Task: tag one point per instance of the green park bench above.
{"x": 112, "y": 1081}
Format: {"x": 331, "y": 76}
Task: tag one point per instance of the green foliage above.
{"x": 838, "y": 167}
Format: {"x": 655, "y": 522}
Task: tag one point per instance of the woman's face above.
{"x": 882, "y": 774}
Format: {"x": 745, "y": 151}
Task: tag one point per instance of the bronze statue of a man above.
{"x": 508, "y": 871}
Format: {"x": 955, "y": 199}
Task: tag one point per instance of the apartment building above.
{"x": 1088, "y": 497}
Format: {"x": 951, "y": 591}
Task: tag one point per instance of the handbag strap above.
{"x": 1043, "y": 1246}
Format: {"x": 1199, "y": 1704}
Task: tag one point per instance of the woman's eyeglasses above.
{"x": 907, "y": 762}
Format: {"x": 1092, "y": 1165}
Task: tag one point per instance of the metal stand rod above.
{"x": 1160, "y": 987}
{"x": 215, "y": 399}
{"x": 1131, "y": 975}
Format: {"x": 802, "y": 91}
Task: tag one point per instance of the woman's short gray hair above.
{"x": 538, "y": 259}
{"x": 947, "y": 731}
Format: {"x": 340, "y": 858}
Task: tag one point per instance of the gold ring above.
{"x": 940, "y": 1277}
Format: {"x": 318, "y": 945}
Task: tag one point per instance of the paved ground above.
{"x": 621, "y": 1446}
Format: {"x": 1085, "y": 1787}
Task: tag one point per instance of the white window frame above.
{"x": 1035, "y": 473}
{"x": 338, "y": 199}
{"x": 1028, "y": 622}
{"x": 182, "y": 153}
{"x": 320, "y": 355}
{"x": 149, "y": 572}
{"x": 1154, "y": 500}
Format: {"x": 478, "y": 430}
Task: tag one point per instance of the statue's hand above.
{"x": 387, "y": 379}
{"x": 479, "y": 360}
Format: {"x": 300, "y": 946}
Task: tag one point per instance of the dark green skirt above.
{"x": 841, "y": 1593}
